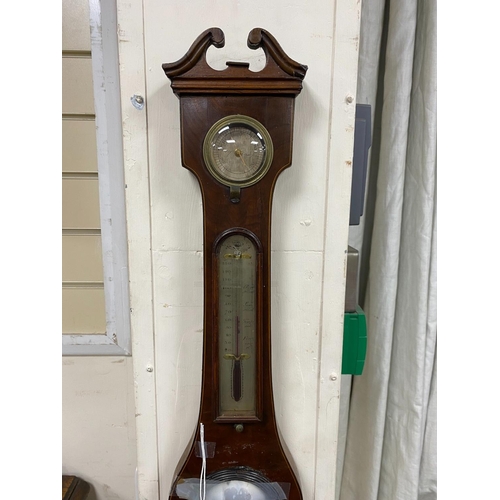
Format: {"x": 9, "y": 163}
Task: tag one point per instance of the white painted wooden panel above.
{"x": 136, "y": 172}
{"x": 309, "y": 233}
{"x": 295, "y": 329}
{"x": 179, "y": 337}
{"x": 340, "y": 145}
{"x": 98, "y": 431}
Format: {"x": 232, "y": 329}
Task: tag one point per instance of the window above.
{"x": 95, "y": 277}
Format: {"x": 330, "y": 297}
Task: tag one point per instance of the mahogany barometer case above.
{"x": 236, "y": 138}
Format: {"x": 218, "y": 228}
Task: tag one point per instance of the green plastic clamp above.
{"x": 355, "y": 342}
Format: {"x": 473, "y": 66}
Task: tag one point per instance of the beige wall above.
{"x": 83, "y": 286}
{"x": 99, "y": 424}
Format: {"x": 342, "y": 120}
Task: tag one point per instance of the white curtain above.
{"x": 387, "y": 439}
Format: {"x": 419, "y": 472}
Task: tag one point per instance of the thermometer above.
{"x": 237, "y": 266}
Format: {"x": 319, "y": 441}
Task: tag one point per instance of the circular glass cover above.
{"x": 238, "y": 150}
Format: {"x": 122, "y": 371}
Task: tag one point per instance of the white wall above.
{"x": 98, "y": 430}
{"x": 310, "y": 227}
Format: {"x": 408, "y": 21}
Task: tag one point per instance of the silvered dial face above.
{"x": 238, "y": 151}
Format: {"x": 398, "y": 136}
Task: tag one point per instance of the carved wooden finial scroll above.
{"x": 192, "y": 75}
{"x": 197, "y": 51}
{"x": 259, "y": 37}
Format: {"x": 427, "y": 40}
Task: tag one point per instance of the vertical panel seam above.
{"x": 325, "y": 226}
{"x": 148, "y": 163}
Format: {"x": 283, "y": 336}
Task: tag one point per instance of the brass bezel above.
{"x": 236, "y": 120}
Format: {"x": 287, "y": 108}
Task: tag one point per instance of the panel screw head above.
{"x": 137, "y": 101}
{"x": 149, "y": 368}
{"x": 239, "y": 427}
{"x": 349, "y": 98}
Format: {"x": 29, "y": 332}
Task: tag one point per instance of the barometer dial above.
{"x": 238, "y": 151}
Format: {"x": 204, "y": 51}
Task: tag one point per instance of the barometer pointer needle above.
{"x": 239, "y": 154}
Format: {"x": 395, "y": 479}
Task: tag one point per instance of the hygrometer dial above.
{"x": 238, "y": 150}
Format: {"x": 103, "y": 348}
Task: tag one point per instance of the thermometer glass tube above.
{"x": 237, "y": 266}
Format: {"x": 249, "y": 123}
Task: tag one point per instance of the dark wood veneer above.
{"x": 207, "y": 95}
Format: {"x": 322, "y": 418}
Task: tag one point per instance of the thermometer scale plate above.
{"x": 238, "y": 267}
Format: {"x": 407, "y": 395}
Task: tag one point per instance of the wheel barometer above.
{"x": 236, "y": 137}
